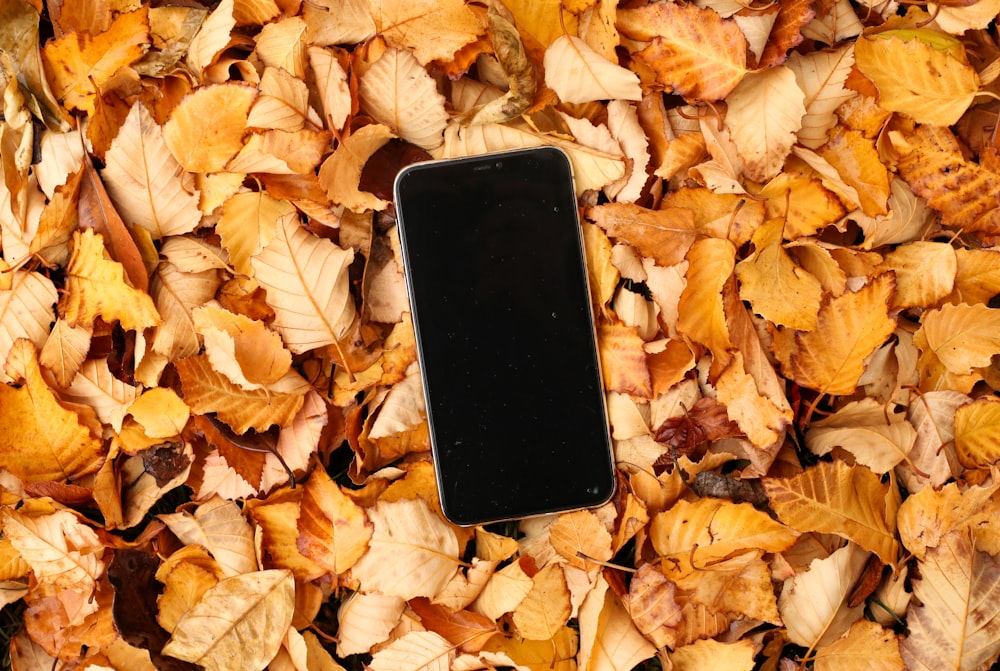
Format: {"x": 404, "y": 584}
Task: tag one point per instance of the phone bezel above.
{"x": 484, "y": 163}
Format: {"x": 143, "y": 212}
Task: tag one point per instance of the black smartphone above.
{"x": 497, "y": 280}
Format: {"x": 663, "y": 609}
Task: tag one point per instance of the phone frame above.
{"x": 482, "y": 163}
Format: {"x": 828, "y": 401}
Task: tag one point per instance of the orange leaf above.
{"x": 702, "y": 317}
{"x": 80, "y": 64}
{"x": 467, "y": 630}
{"x": 206, "y": 129}
{"x": 701, "y": 55}
{"x": 663, "y": 235}
{"x": 623, "y": 360}
{"x": 580, "y": 536}
{"x": 333, "y": 530}
{"x": 831, "y": 358}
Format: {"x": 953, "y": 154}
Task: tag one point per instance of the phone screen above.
{"x": 497, "y": 279}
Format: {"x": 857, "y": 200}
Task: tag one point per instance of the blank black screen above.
{"x": 498, "y": 289}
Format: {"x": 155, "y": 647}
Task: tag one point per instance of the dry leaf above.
{"x": 432, "y": 30}
{"x": 400, "y": 94}
{"x": 255, "y": 606}
{"x": 206, "y": 129}
{"x": 578, "y": 74}
{"x": 333, "y": 530}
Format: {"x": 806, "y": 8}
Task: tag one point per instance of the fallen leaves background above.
{"x": 214, "y": 444}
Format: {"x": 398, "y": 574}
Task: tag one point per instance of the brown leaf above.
{"x": 662, "y": 235}
{"x": 469, "y": 631}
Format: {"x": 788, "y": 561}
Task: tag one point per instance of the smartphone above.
{"x": 495, "y": 269}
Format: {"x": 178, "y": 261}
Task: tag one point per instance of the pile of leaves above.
{"x": 213, "y": 441}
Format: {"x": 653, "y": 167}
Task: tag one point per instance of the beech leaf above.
{"x": 578, "y": 74}
{"x": 237, "y": 624}
{"x": 399, "y": 93}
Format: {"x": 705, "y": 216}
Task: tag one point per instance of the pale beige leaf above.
{"x": 340, "y": 174}
{"x": 821, "y": 76}
{"x": 255, "y": 607}
{"x": 877, "y": 436}
{"x": 712, "y": 655}
{"x": 338, "y": 22}
{"x": 297, "y": 441}
{"x": 765, "y": 114}
{"x": 63, "y": 554}
{"x": 27, "y": 309}
{"x": 838, "y": 498}
{"x": 866, "y": 646}
{"x": 592, "y": 169}
{"x": 957, "y": 624}
{"x": 218, "y": 526}
{"x": 466, "y": 586}
{"x": 432, "y": 29}
{"x": 95, "y": 386}
{"x": 193, "y": 254}
{"x": 963, "y": 17}
{"x": 928, "y": 516}
{"x": 578, "y": 74}
{"x": 933, "y": 453}
{"x": 143, "y": 179}
{"x": 411, "y": 553}
{"x": 65, "y": 350}
{"x": 415, "y": 651}
{"x": 504, "y": 591}
{"x": 283, "y": 103}
{"x": 609, "y": 640}
{"x": 307, "y": 286}
{"x": 399, "y": 93}
{"x": 176, "y": 293}
{"x": 332, "y": 86}
{"x": 366, "y": 619}
{"x": 623, "y": 122}
{"x": 212, "y": 38}
{"x": 813, "y": 604}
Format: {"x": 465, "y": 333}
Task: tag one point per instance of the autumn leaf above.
{"x": 199, "y": 137}
{"x": 432, "y": 30}
{"x": 697, "y": 53}
{"x": 831, "y": 358}
{"x": 865, "y": 642}
{"x": 956, "y": 624}
{"x": 920, "y": 72}
{"x": 306, "y": 282}
{"x": 663, "y": 235}
{"x": 80, "y": 64}
{"x": 255, "y": 606}
{"x": 334, "y": 532}
{"x": 578, "y": 74}
{"x": 837, "y": 498}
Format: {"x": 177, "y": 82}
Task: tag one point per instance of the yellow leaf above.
{"x": 96, "y": 287}
{"x": 283, "y": 103}
{"x": 96, "y": 387}
{"x": 255, "y": 607}
{"x": 307, "y": 286}
{"x": 161, "y": 412}
{"x": 80, "y": 64}
{"x": 143, "y": 179}
{"x": 557, "y": 654}
{"x": 694, "y": 51}
{"x": 333, "y": 530}
{"x": 243, "y": 349}
{"x": 340, "y": 174}
{"x": 813, "y": 603}
{"x": 25, "y": 311}
{"x": 775, "y": 286}
{"x": 922, "y": 73}
{"x": 42, "y": 440}
{"x": 546, "y": 608}
{"x": 176, "y": 293}
{"x": 712, "y": 655}
{"x": 977, "y": 439}
{"x": 578, "y": 74}
{"x": 765, "y": 114}
{"x": 218, "y": 526}
{"x": 957, "y": 623}
{"x": 432, "y": 29}
{"x": 837, "y": 498}
{"x": 702, "y": 317}
{"x": 411, "y": 553}
{"x": 831, "y": 358}
{"x": 332, "y": 86}
{"x": 977, "y": 276}
{"x": 866, "y": 645}
{"x": 762, "y": 418}
{"x": 711, "y": 529}
{"x": 398, "y": 92}
{"x": 206, "y": 128}
{"x": 503, "y": 592}
{"x": 65, "y": 351}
